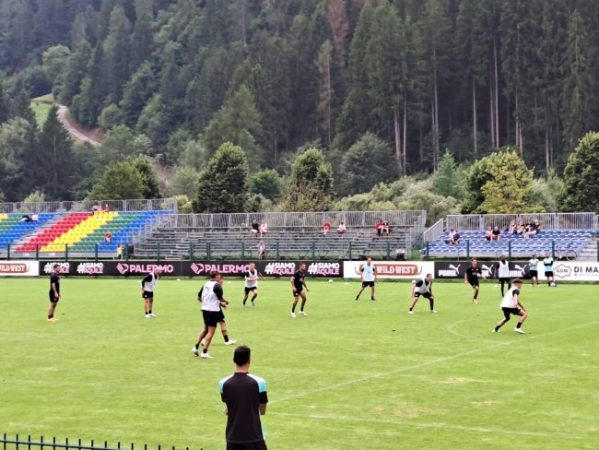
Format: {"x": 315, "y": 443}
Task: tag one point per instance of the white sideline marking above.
{"x": 440, "y": 426}
{"x": 424, "y": 364}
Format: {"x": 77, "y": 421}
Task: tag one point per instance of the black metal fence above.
{"x": 20, "y": 442}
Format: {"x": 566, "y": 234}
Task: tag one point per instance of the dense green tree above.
{"x": 54, "y": 60}
{"x": 310, "y": 187}
{"x": 185, "y": 182}
{"x": 120, "y": 181}
{"x": 499, "y": 184}
{"x": 448, "y": 180}
{"x": 116, "y": 52}
{"x": 368, "y": 162}
{"x": 17, "y": 147}
{"x": 145, "y": 167}
{"x": 267, "y": 183}
{"x": 223, "y": 183}
{"x": 581, "y": 189}
{"x": 75, "y": 71}
{"x": 58, "y": 171}
{"x": 237, "y": 122}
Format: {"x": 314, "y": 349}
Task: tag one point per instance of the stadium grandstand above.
{"x": 289, "y": 235}
{"x": 562, "y": 235}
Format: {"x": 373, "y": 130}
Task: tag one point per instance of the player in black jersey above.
{"x": 299, "y": 288}
{"x": 54, "y": 293}
{"x": 471, "y": 277}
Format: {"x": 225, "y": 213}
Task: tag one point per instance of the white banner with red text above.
{"x": 391, "y": 270}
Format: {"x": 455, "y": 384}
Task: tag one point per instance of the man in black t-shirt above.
{"x": 246, "y": 399}
{"x": 471, "y": 277}
{"x": 299, "y": 289}
{"x": 54, "y": 293}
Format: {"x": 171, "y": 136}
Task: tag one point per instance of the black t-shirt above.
{"x": 243, "y": 393}
{"x": 298, "y": 280}
{"x": 472, "y": 273}
{"x": 55, "y": 280}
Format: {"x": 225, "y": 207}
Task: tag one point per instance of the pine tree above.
{"x": 311, "y": 184}
{"x": 581, "y": 190}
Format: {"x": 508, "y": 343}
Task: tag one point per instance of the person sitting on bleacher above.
{"x": 326, "y": 227}
{"x": 496, "y": 234}
{"x": 108, "y": 237}
{"x": 453, "y": 238}
{"x": 255, "y": 227}
{"x": 386, "y": 228}
{"x": 263, "y": 228}
{"x": 35, "y": 217}
{"x": 341, "y": 229}
{"x": 513, "y": 228}
{"x": 489, "y": 234}
{"x": 379, "y": 227}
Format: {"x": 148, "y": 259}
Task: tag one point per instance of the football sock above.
{"x": 432, "y": 302}
{"x": 226, "y": 338}
{"x": 519, "y": 324}
{"x": 411, "y": 308}
{"x": 497, "y": 327}
{"x": 293, "y": 308}
{"x": 254, "y": 298}
{"x": 50, "y": 316}
{"x": 475, "y": 294}
{"x": 150, "y": 312}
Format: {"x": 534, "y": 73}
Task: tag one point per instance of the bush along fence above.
{"x": 21, "y": 442}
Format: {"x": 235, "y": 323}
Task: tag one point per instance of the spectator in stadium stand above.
{"x": 26, "y": 218}
{"x": 255, "y": 227}
{"x": 379, "y": 227}
{"x": 95, "y": 208}
{"x": 35, "y": 217}
{"x": 120, "y": 250}
{"x": 496, "y": 235}
{"x": 263, "y": 228}
{"x": 106, "y": 207}
{"x": 386, "y": 228}
{"x": 108, "y": 237}
{"x": 489, "y": 234}
{"x": 261, "y": 250}
{"x": 326, "y": 227}
{"x": 453, "y": 238}
{"x": 513, "y": 228}
{"x": 341, "y": 229}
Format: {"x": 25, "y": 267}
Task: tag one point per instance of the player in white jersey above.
{"x": 511, "y": 305}
{"x": 148, "y": 285}
{"x": 368, "y": 278}
{"x": 212, "y": 299}
{"x": 424, "y": 288}
{"x": 503, "y": 272}
{"x": 533, "y": 267}
{"x": 251, "y": 277}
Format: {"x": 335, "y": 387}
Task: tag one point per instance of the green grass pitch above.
{"x": 351, "y": 375}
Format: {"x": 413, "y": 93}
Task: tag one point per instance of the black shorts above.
{"x": 473, "y": 283}
{"x": 297, "y": 290}
{"x": 250, "y": 289}
{"x": 212, "y": 318}
{"x": 507, "y": 312}
{"x": 534, "y": 274}
{"x": 147, "y": 295}
{"x": 549, "y": 274}
{"x": 53, "y": 298}
{"x": 505, "y": 280}
{"x": 251, "y": 446}
{"x": 367, "y": 284}
{"x": 425, "y": 294}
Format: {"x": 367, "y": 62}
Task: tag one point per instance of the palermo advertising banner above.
{"x": 19, "y": 269}
{"x": 457, "y": 269}
{"x": 330, "y": 269}
{"x": 398, "y": 270}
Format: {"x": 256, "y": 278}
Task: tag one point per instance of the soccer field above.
{"x": 351, "y": 375}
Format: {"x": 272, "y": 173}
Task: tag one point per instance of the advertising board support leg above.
{"x": 190, "y": 252}
{"x": 468, "y": 249}
{"x": 388, "y": 251}
{"x": 96, "y": 252}
{"x": 242, "y": 250}
{"x": 8, "y": 251}
{"x": 208, "y": 251}
{"x": 313, "y": 250}
{"x": 158, "y": 252}
{"x": 277, "y": 250}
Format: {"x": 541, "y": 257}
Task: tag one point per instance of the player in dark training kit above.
{"x": 54, "y": 293}
{"x": 471, "y": 277}
{"x": 299, "y": 288}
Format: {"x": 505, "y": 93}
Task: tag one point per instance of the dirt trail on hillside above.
{"x": 90, "y": 136}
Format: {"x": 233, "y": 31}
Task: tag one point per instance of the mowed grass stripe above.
{"x": 106, "y": 372}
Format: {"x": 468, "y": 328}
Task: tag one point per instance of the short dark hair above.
{"x": 517, "y": 281}
{"x": 241, "y": 356}
{"x": 214, "y": 274}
